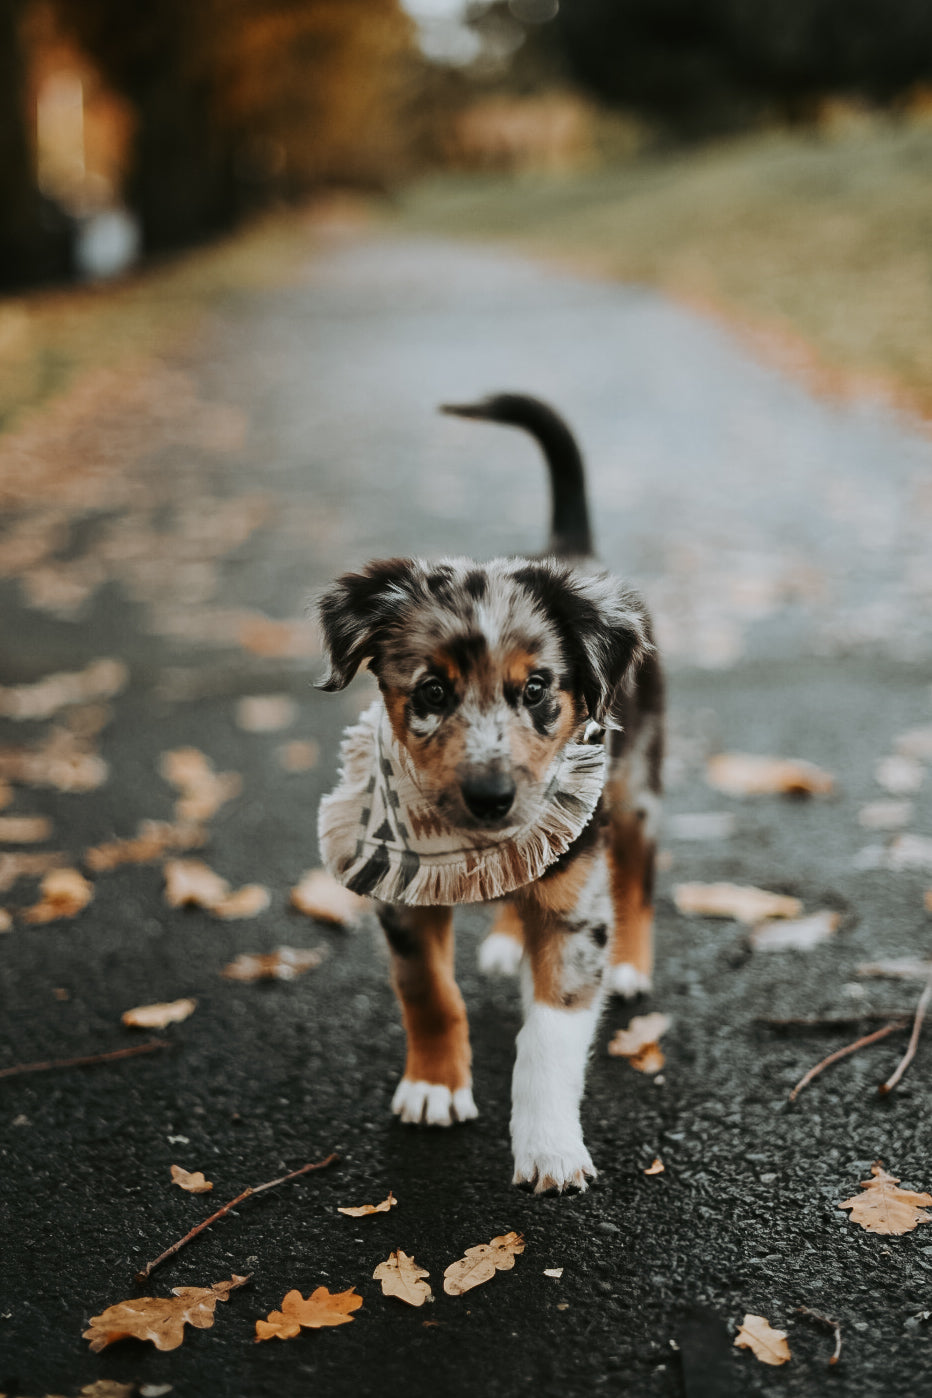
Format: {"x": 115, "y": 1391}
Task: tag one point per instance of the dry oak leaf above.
{"x": 265, "y": 713}
{"x": 160, "y": 1319}
{"x": 643, "y": 1032}
{"x": 321, "y": 897}
{"x": 656, "y": 1167}
{"x": 742, "y": 774}
{"x": 193, "y": 1182}
{"x": 64, "y": 892}
{"x": 401, "y": 1276}
{"x": 285, "y": 964}
{"x": 153, "y": 840}
{"x": 321, "y": 1308}
{"x": 248, "y": 901}
{"x": 364, "y": 1209}
{"x": 768, "y": 1345}
{"x": 159, "y": 1015}
{"x": 479, "y": 1264}
{"x": 883, "y": 1208}
{"x": 192, "y": 883}
{"x": 740, "y": 901}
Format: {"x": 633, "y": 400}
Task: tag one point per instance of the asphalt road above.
{"x": 161, "y": 513}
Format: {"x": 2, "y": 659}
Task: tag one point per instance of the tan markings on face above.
{"x": 395, "y": 701}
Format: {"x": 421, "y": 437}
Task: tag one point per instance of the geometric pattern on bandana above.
{"x": 381, "y": 837}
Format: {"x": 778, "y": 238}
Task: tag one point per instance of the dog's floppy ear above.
{"x": 603, "y": 626}
{"x": 357, "y": 611}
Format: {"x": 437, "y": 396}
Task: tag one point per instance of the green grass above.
{"x": 821, "y": 244}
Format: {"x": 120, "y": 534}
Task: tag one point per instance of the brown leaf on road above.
{"x": 202, "y": 791}
{"x": 365, "y": 1209}
{"x": 742, "y": 774}
{"x": 192, "y": 1182}
{"x": 160, "y": 1319}
{"x": 265, "y": 713}
{"x": 740, "y": 901}
{"x": 639, "y": 1042}
{"x": 905, "y": 968}
{"x": 795, "y": 934}
{"x": 285, "y": 964}
{"x": 63, "y": 893}
{"x": 656, "y": 1167}
{"x": 109, "y": 1388}
{"x": 159, "y": 1015}
{"x": 153, "y": 840}
{"x": 319, "y": 896}
{"x": 322, "y": 1308}
{"x": 479, "y": 1264}
{"x": 15, "y": 865}
{"x": 768, "y": 1345}
{"x": 24, "y": 830}
{"x": 192, "y": 883}
{"x": 401, "y": 1276}
{"x": 300, "y": 755}
{"x": 101, "y": 679}
{"x": 885, "y": 1208}
{"x": 61, "y": 760}
{"x": 248, "y": 901}
{"x": 6, "y": 920}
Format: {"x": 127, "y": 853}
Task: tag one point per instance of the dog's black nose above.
{"x": 489, "y": 796}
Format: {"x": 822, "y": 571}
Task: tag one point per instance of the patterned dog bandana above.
{"x": 381, "y": 836}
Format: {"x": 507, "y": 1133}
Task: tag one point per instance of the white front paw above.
{"x": 500, "y": 955}
{"x": 432, "y": 1104}
{"x": 627, "y": 981}
{"x": 567, "y": 1167}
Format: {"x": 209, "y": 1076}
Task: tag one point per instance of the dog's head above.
{"x": 486, "y": 670}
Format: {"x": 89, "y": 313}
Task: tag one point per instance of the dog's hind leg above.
{"x": 501, "y": 952}
{"x": 632, "y": 857}
{"x": 437, "y": 1085}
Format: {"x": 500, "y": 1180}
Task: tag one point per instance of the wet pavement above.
{"x": 176, "y": 515}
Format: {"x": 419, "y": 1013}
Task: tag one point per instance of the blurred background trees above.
{"x": 191, "y": 113}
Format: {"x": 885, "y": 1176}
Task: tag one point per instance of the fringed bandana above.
{"x": 381, "y": 837}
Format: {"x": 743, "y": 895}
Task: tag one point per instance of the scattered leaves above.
{"x": 266, "y": 713}
{"x": 639, "y": 1042}
{"x": 16, "y": 865}
{"x": 285, "y": 964}
{"x": 160, "y": 1319}
{"x": 202, "y": 790}
{"x": 479, "y": 1264}
{"x": 884, "y": 1208}
{"x": 740, "y": 901}
{"x": 24, "y": 830}
{"x": 905, "y": 968}
{"x": 401, "y": 1276}
{"x": 192, "y": 1182}
{"x": 64, "y": 892}
{"x": 362, "y": 1210}
{"x": 796, "y": 934}
{"x": 63, "y": 759}
{"x": 192, "y": 883}
{"x": 321, "y": 897}
{"x": 766, "y": 1344}
{"x": 159, "y": 1015}
{"x": 321, "y": 1308}
{"x": 153, "y": 840}
{"x": 102, "y": 679}
{"x": 741, "y": 774}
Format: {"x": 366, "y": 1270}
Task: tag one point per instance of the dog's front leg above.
{"x": 562, "y": 989}
{"x": 437, "y": 1083}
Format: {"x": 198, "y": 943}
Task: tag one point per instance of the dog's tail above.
{"x": 570, "y": 531}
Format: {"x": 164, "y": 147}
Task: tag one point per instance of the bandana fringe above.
{"x": 366, "y": 826}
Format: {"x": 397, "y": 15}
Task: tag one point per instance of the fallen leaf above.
{"x": 159, "y": 1015}
{"x": 285, "y": 964}
{"x": 102, "y": 679}
{"x": 321, "y": 1308}
{"x": 740, "y": 901}
{"x": 927, "y": 900}
{"x": 191, "y": 883}
{"x": 265, "y": 713}
{"x": 202, "y": 790}
{"x": 297, "y": 756}
{"x": 364, "y": 1209}
{"x": 248, "y": 901}
{"x": 61, "y": 760}
{"x": 109, "y": 1388}
{"x": 767, "y": 1344}
{"x": 479, "y": 1264}
{"x": 64, "y": 892}
{"x": 192, "y": 1183}
{"x": 656, "y": 1167}
{"x": 555, "y": 1272}
{"x": 885, "y": 815}
{"x": 16, "y": 865}
{"x": 916, "y": 742}
{"x": 642, "y": 1031}
{"x": 6, "y": 920}
{"x": 153, "y": 840}
{"x": 321, "y": 897}
{"x": 741, "y": 774}
{"x": 160, "y": 1319}
{"x": 906, "y": 968}
{"x": 24, "y": 830}
{"x": 401, "y": 1276}
{"x": 795, "y": 934}
{"x": 899, "y": 775}
{"x": 884, "y": 1208}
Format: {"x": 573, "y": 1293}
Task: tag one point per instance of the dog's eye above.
{"x": 432, "y": 693}
{"x": 534, "y": 690}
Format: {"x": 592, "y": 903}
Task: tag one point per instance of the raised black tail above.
{"x": 570, "y": 531}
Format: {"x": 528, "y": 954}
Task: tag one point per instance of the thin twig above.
{"x": 254, "y": 1189}
{"x": 84, "y": 1062}
{"x": 832, "y": 1022}
{"x": 907, "y": 1058}
{"x": 882, "y": 1033}
{"x": 832, "y": 1325}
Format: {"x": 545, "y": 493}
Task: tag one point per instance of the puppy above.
{"x": 491, "y": 673}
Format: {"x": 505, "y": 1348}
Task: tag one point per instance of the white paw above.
{"x": 500, "y": 955}
{"x": 570, "y": 1168}
{"x": 432, "y": 1104}
{"x": 627, "y": 981}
